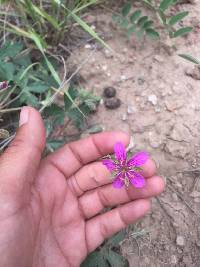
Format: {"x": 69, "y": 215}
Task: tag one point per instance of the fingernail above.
{"x": 24, "y": 115}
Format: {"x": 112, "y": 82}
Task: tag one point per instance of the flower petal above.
{"x": 118, "y": 183}
{"x": 120, "y": 152}
{"x": 138, "y": 159}
{"x": 137, "y": 179}
{"x": 110, "y": 165}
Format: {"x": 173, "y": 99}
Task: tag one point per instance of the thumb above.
{"x": 19, "y": 163}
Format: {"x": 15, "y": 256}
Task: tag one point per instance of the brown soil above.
{"x": 160, "y": 94}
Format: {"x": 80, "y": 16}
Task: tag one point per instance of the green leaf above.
{"x": 115, "y": 259}
{"x": 148, "y": 24}
{"x": 142, "y": 20}
{"x": 124, "y": 23}
{"x": 140, "y": 33}
{"x": 37, "y": 87}
{"x": 116, "y": 239}
{"x": 7, "y": 70}
{"x": 152, "y": 33}
{"x": 73, "y": 93}
{"x": 10, "y": 50}
{"x": 95, "y": 259}
{"x": 182, "y": 31}
{"x": 190, "y": 58}
{"x": 165, "y": 4}
{"x": 126, "y": 9}
{"x": 117, "y": 19}
{"x": 135, "y": 16}
{"x": 53, "y": 110}
{"x": 176, "y": 18}
{"x": 29, "y": 99}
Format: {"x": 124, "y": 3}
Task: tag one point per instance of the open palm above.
{"x": 51, "y": 210}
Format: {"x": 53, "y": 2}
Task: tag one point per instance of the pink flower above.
{"x": 126, "y": 170}
{"x": 3, "y": 85}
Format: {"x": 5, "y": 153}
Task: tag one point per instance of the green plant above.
{"x": 108, "y": 254}
{"x": 141, "y": 25}
{"x": 62, "y": 115}
{"x": 31, "y": 83}
{"x": 46, "y": 23}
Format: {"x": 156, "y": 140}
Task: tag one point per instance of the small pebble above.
{"x": 112, "y": 103}
{"x": 153, "y": 99}
{"x": 124, "y": 117}
{"x": 180, "y": 241}
{"x": 88, "y": 46}
{"x": 109, "y": 92}
{"x": 141, "y": 81}
{"x": 123, "y": 78}
{"x": 130, "y": 109}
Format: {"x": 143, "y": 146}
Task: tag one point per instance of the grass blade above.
{"x": 190, "y": 58}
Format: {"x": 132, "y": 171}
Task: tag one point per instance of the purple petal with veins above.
{"x": 136, "y": 179}
{"x": 120, "y": 152}
{"x": 118, "y": 182}
{"x": 138, "y": 159}
{"x": 110, "y": 165}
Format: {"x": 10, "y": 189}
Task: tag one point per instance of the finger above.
{"x": 73, "y": 156}
{"x": 89, "y": 177}
{"x": 103, "y": 226}
{"x": 19, "y": 163}
{"x": 95, "y": 201}
{"x": 96, "y": 174}
{"x": 149, "y": 168}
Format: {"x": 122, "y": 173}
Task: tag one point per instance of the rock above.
{"x": 159, "y": 58}
{"x": 88, "y": 46}
{"x": 180, "y": 133}
{"x": 101, "y": 102}
{"x": 176, "y": 149}
{"x": 141, "y": 80}
{"x": 104, "y": 67}
{"x": 194, "y": 73}
{"x": 154, "y": 140}
{"x": 109, "y": 92}
{"x": 195, "y": 194}
{"x": 172, "y": 104}
{"x": 123, "y": 78}
{"x": 153, "y": 99}
{"x": 108, "y": 53}
{"x": 174, "y": 260}
{"x": 174, "y": 196}
{"x": 124, "y": 117}
{"x": 112, "y": 103}
{"x": 130, "y": 109}
{"x": 144, "y": 124}
{"x": 180, "y": 241}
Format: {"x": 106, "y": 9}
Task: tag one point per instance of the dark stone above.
{"x": 109, "y": 92}
{"x": 112, "y": 103}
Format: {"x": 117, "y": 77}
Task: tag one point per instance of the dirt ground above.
{"x": 160, "y": 94}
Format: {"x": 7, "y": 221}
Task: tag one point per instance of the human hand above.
{"x": 51, "y": 208}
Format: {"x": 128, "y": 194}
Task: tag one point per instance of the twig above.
{"x": 10, "y": 110}
{"x": 182, "y": 198}
{"x": 64, "y": 83}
